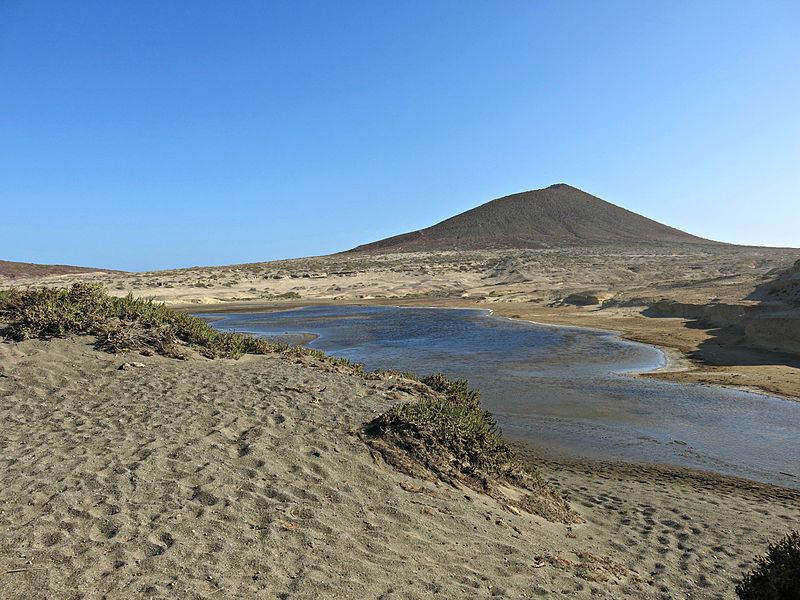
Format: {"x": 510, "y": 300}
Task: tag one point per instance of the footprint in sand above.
{"x": 156, "y": 545}
{"x": 204, "y": 497}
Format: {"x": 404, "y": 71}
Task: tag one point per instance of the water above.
{"x": 564, "y": 389}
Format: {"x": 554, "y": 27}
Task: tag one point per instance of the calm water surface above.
{"x": 562, "y": 388}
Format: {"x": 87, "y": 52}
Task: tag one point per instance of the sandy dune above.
{"x": 243, "y": 478}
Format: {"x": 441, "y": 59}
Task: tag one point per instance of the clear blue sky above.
{"x": 151, "y": 134}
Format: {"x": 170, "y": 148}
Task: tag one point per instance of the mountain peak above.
{"x": 556, "y": 216}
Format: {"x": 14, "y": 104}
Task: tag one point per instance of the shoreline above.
{"x": 684, "y": 345}
{"x": 531, "y": 454}
{"x": 680, "y": 343}
{"x": 543, "y": 458}
{"x": 673, "y": 362}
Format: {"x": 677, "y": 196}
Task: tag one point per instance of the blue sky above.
{"x": 144, "y": 135}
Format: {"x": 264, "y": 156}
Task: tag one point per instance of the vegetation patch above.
{"x": 776, "y": 575}
{"x": 446, "y": 293}
{"x": 447, "y": 435}
{"x": 120, "y": 324}
{"x": 287, "y": 296}
{"x": 134, "y": 324}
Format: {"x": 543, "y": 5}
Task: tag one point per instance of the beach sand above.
{"x": 201, "y": 478}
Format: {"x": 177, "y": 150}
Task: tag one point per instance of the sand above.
{"x": 244, "y": 478}
{"x": 201, "y": 478}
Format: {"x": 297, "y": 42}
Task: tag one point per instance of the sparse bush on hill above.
{"x": 131, "y": 324}
{"x": 300, "y": 352}
{"x": 776, "y": 575}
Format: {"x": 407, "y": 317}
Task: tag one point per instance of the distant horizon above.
{"x": 104, "y": 267}
{"x": 154, "y": 136}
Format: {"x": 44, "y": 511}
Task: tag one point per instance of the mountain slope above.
{"x": 557, "y": 216}
{"x": 14, "y": 270}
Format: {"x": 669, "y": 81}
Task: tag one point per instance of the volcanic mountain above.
{"x": 557, "y": 216}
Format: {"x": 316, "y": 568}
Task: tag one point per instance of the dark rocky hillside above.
{"x": 557, "y": 216}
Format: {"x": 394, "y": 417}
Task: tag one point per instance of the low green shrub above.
{"x": 776, "y": 575}
{"x": 447, "y": 431}
{"x": 120, "y": 324}
{"x": 335, "y": 361}
{"x": 289, "y": 296}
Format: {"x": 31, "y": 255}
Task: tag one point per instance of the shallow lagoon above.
{"x": 566, "y": 390}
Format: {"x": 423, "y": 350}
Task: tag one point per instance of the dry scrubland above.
{"x": 730, "y": 313}
{"x": 254, "y": 477}
{"x": 693, "y": 274}
{"x": 624, "y": 275}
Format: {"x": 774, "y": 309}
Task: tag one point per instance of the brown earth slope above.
{"x": 557, "y": 216}
{"x": 15, "y": 270}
